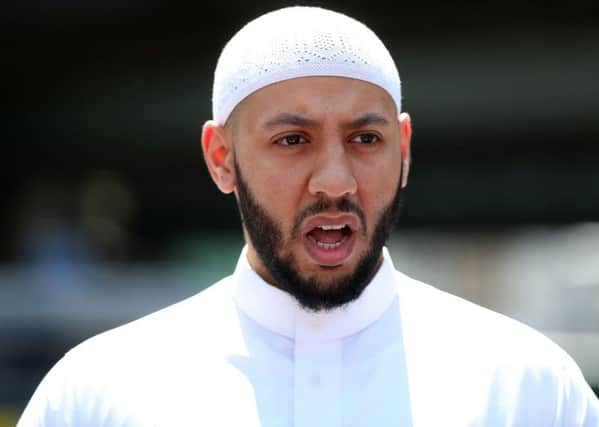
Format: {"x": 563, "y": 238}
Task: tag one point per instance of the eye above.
{"x": 289, "y": 140}
{"x": 365, "y": 138}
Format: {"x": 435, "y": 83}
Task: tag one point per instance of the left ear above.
{"x": 405, "y": 126}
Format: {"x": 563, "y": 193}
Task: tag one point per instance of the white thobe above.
{"x": 243, "y": 353}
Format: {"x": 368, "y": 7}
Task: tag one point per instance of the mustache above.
{"x": 328, "y": 205}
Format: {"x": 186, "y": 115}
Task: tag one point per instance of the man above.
{"x": 315, "y": 327}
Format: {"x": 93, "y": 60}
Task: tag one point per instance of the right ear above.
{"x": 218, "y": 156}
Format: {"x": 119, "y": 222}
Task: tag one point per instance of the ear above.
{"x": 405, "y": 125}
{"x": 218, "y": 156}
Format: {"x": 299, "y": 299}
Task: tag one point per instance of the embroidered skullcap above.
{"x": 299, "y": 42}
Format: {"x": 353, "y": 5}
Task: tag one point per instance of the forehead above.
{"x": 318, "y": 98}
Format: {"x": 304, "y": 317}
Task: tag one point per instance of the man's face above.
{"x": 317, "y": 164}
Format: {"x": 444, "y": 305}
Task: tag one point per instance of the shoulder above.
{"x": 183, "y": 325}
{"x": 449, "y": 339}
{"x": 100, "y": 381}
{"x": 466, "y": 322}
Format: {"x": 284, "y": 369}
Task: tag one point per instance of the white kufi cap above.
{"x": 299, "y": 42}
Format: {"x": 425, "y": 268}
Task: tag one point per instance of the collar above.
{"x": 279, "y": 312}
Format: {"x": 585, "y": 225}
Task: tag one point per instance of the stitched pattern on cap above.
{"x": 299, "y": 42}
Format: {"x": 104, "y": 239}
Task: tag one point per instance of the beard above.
{"x": 313, "y": 294}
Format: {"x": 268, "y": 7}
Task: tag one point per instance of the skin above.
{"x": 309, "y": 139}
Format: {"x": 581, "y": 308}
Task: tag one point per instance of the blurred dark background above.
{"x": 102, "y": 112}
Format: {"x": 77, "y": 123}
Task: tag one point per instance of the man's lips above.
{"x": 329, "y": 239}
{"x": 349, "y": 220}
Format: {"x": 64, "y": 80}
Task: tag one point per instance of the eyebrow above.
{"x": 367, "y": 119}
{"x": 290, "y": 119}
{"x": 298, "y": 120}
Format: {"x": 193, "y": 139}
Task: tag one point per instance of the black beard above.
{"x": 312, "y": 294}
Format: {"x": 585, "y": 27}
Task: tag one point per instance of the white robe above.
{"x": 243, "y": 353}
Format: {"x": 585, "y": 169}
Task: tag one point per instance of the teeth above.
{"x": 328, "y": 245}
{"x": 331, "y": 227}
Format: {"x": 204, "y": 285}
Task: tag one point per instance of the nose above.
{"x": 333, "y": 175}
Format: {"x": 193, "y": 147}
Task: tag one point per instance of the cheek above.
{"x": 279, "y": 188}
{"x": 377, "y": 189}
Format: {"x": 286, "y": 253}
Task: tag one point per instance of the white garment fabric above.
{"x": 243, "y": 353}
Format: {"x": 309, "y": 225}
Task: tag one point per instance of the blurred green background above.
{"x": 108, "y": 212}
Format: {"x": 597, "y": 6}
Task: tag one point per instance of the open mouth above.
{"x": 329, "y": 237}
{"x": 329, "y": 240}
